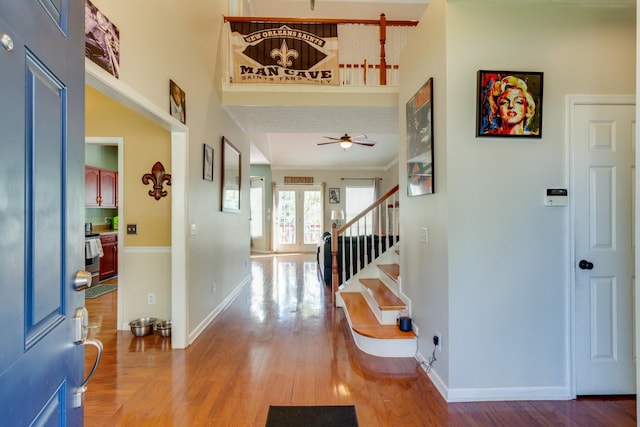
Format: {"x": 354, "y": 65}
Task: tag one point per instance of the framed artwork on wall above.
{"x": 334, "y": 195}
{"x": 207, "y": 163}
{"x": 101, "y": 40}
{"x": 231, "y": 173}
{"x": 177, "y": 102}
{"x": 509, "y": 104}
{"x": 419, "y": 112}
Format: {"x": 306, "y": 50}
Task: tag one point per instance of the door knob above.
{"x": 82, "y": 280}
{"x": 585, "y": 265}
{"x": 6, "y": 42}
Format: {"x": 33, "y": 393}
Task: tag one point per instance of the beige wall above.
{"x": 167, "y": 41}
{"x": 144, "y": 144}
{"x": 494, "y": 278}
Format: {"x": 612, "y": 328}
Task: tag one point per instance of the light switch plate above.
{"x": 132, "y": 228}
{"x": 424, "y": 235}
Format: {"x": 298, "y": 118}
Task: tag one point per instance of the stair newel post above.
{"x": 383, "y": 54}
{"x": 334, "y": 262}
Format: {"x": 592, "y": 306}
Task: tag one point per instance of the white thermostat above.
{"x": 556, "y": 197}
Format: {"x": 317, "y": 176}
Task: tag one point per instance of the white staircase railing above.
{"x": 364, "y": 238}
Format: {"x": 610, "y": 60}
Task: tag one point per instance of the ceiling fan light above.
{"x": 345, "y": 144}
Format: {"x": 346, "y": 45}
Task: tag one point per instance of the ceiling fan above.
{"x": 346, "y": 141}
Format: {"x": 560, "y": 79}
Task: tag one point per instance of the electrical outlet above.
{"x": 438, "y": 336}
{"x": 132, "y": 228}
{"x": 213, "y": 289}
{"x": 151, "y": 298}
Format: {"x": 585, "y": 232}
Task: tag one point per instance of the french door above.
{"x": 298, "y": 221}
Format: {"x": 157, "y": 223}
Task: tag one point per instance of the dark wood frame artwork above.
{"x": 492, "y": 87}
{"x": 420, "y": 160}
{"x": 230, "y": 188}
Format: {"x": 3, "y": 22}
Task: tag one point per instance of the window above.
{"x": 357, "y": 199}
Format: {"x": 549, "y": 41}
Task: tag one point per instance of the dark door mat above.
{"x": 312, "y": 416}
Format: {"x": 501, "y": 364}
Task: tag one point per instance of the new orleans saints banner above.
{"x": 281, "y": 52}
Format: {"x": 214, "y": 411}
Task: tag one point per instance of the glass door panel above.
{"x": 298, "y": 222}
{"x": 286, "y": 217}
{"x": 312, "y": 217}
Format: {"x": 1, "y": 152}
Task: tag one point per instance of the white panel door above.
{"x": 604, "y": 171}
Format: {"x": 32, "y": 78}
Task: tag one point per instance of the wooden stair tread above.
{"x": 391, "y": 270}
{"x": 382, "y": 295}
{"x": 364, "y": 322}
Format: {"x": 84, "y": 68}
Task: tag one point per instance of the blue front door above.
{"x": 41, "y": 210}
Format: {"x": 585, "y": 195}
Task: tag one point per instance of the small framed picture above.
{"x": 177, "y": 102}
{"x": 334, "y": 195}
{"x": 207, "y": 163}
{"x": 509, "y": 104}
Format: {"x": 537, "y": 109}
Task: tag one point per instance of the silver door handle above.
{"x": 82, "y": 280}
{"x": 98, "y": 345}
{"x": 80, "y": 332}
{"x": 78, "y": 396}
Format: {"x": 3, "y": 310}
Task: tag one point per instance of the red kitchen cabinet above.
{"x": 109, "y": 262}
{"x": 100, "y": 188}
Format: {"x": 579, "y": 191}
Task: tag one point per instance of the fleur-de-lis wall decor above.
{"x": 157, "y": 176}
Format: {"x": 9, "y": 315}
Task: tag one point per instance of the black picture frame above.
{"x": 334, "y": 195}
{"x": 231, "y": 177}
{"x": 509, "y": 104}
{"x": 207, "y": 163}
{"x": 420, "y": 160}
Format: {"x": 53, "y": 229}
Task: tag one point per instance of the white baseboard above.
{"x": 224, "y": 304}
{"x": 507, "y": 393}
{"x": 490, "y": 394}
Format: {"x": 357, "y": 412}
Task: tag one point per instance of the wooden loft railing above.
{"x": 359, "y": 47}
{"x": 365, "y": 237}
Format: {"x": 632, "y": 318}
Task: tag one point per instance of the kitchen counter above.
{"x": 104, "y": 230}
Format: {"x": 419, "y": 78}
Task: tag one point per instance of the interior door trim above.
{"x": 572, "y": 101}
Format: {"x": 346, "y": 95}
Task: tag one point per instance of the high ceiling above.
{"x": 286, "y": 137}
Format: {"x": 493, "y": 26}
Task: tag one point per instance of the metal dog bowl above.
{"x": 143, "y": 326}
{"x": 164, "y": 328}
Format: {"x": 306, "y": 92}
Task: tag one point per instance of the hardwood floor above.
{"x": 282, "y": 343}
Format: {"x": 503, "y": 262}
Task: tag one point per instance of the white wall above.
{"x": 165, "y": 40}
{"x": 424, "y": 268}
{"x": 506, "y": 332}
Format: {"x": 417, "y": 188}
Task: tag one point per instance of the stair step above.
{"x": 391, "y": 270}
{"x": 364, "y": 322}
{"x": 382, "y": 295}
